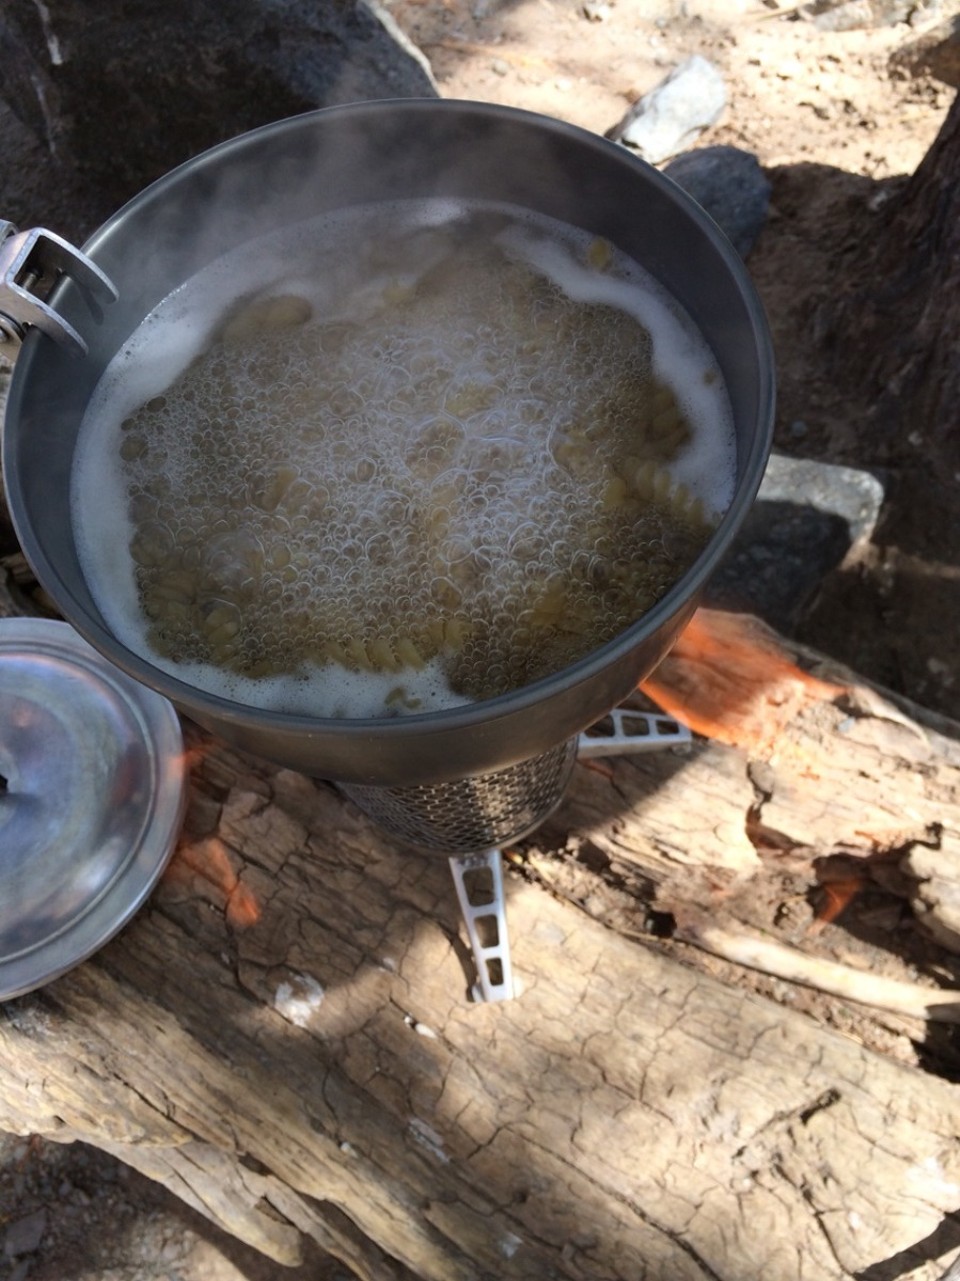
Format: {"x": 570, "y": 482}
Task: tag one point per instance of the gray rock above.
{"x": 23, "y": 1236}
{"x": 851, "y": 493}
{"x": 118, "y": 93}
{"x": 853, "y": 15}
{"x": 807, "y": 517}
{"x": 730, "y": 185}
{"x": 936, "y": 53}
{"x": 670, "y": 118}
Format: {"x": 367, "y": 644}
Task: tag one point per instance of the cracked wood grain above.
{"x": 283, "y": 1037}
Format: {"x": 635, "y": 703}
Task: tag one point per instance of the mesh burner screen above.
{"x": 473, "y": 813}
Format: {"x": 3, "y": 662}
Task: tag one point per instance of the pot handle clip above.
{"x": 30, "y": 263}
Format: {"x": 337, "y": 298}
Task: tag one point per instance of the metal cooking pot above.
{"x": 326, "y": 160}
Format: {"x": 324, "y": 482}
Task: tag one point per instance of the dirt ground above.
{"x": 836, "y": 118}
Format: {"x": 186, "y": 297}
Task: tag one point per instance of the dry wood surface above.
{"x": 284, "y": 1037}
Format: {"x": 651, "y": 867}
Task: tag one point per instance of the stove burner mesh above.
{"x": 474, "y": 813}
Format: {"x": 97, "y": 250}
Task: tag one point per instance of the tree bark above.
{"x": 283, "y": 1035}
{"x": 890, "y": 330}
{"x": 897, "y": 325}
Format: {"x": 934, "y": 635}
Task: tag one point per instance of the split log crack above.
{"x": 803, "y": 1112}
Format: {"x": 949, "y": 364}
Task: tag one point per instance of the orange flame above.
{"x": 837, "y": 897}
{"x": 206, "y": 865}
{"x": 194, "y": 754}
{"x": 728, "y": 679}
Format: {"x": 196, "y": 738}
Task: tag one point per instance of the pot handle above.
{"x": 30, "y": 263}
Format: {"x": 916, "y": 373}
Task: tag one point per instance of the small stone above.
{"x": 861, "y": 15}
{"x": 499, "y": 67}
{"x": 563, "y": 84}
{"x": 935, "y": 53}
{"x": 798, "y": 429}
{"x": 730, "y": 185}
{"x": 671, "y": 116}
{"x": 806, "y": 518}
{"x": 23, "y": 1236}
{"x": 596, "y": 11}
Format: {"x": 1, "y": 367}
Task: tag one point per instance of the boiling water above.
{"x": 451, "y": 450}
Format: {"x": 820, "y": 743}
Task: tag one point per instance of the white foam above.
{"x": 327, "y": 691}
{"x": 681, "y": 359}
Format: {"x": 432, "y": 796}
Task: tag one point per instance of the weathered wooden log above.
{"x": 818, "y": 767}
{"x": 283, "y": 1036}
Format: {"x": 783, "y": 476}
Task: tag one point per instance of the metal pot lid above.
{"x": 91, "y": 803}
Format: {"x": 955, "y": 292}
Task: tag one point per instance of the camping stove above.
{"x": 469, "y": 819}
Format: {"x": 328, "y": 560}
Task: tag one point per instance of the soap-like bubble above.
{"x": 458, "y": 452}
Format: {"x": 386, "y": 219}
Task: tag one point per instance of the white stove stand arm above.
{"x": 479, "y": 882}
{"x": 479, "y": 877}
